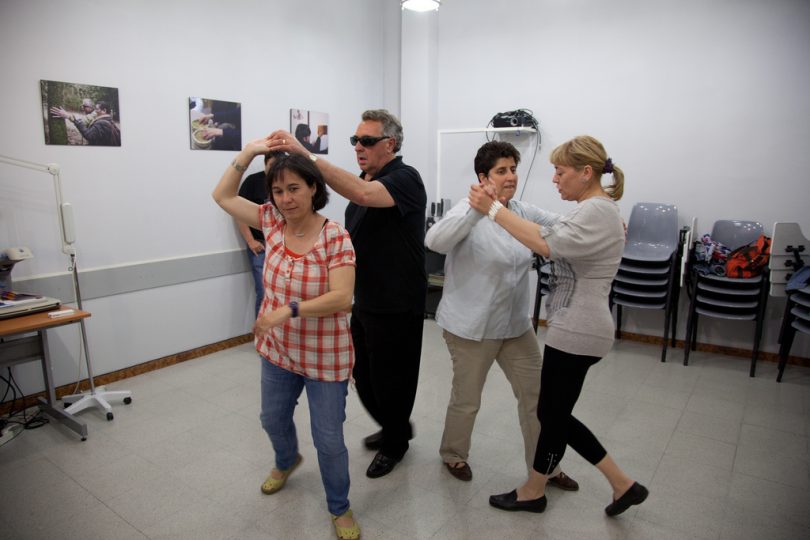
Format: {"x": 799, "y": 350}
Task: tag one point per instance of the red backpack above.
{"x": 749, "y": 261}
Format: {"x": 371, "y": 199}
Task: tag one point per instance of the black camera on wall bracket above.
{"x": 517, "y": 118}
{"x": 505, "y": 120}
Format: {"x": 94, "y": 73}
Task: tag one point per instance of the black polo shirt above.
{"x": 254, "y": 188}
{"x": 390, "y": 244}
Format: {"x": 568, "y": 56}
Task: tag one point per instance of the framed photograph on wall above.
{"x": 311, "y": 129}
{"x": 80, "y": 114}
{"x": 214, "y": 124}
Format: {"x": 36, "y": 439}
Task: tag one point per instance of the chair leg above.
{"x": 691, "y": 328}
{"x": 618, "y": 333}
{"x": 784, "y": 351}
{"x": 676, "y": 298}
{"x": 755, "y": 356}
{"x": 763, "y": 300}
{"x": 666, "y": 331}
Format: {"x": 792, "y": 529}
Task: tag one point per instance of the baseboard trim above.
{"x": 191, "y": 354}
{"x": 710, "y": 348}
{"x": 139, "y": 369}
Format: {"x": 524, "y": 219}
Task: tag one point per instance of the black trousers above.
{"x": 388, "y": 349}
{"x": 561, "y": 381}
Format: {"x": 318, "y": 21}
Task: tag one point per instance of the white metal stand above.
{"x": 76, "y": 402}
{"x": 80, "y": 402}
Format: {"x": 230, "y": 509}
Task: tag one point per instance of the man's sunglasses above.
{"x": 366, "y": 140}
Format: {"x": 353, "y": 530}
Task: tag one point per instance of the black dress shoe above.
{"x": 381, "y": 465}
{"x": 635, "y": 495}
{"x": 463, "y": 473}
{"x": 563, "y": 481}
{"x": 508, "y": 501}
{"x": 373, "y": 441}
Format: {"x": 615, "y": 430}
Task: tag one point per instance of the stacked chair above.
{"x": 728, "y": 298}
{"x": 789, "y": 260}
{"x": 648, "y": 276}
{"x": 796, "y": 319}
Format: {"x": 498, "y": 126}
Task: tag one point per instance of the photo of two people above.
{"x": 311, "y": 129}
{"x": 80, "y": 114}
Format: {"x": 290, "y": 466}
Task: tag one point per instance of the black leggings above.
{"x": 560, "y": 385}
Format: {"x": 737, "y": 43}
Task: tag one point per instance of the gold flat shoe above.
{"x": 347, "y": 533}
{"x": 272, "y": 485}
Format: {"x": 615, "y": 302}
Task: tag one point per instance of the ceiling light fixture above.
{"x": 421, "y": 5}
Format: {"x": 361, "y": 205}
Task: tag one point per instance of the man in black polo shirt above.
{"x": 386, "y": 221}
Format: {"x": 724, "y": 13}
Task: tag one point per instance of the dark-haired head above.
{"x": 489, "y": 154}
{"x": 269, "y": 157}
{"x": 302, "y": 167}
{"x": 301, "y": 131}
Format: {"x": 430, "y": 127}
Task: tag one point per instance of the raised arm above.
{"x": 339, "y": 298}
{"x": 226, "y": 193}
{"x": 526, "y": 232}
{"x": 347, "y": 184}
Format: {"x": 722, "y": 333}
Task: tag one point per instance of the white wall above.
{"x": 703, "y": 104}
{"x": 150, "y": 199}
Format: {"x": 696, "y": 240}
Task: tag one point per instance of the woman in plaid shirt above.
{"x": 302, "y": 331}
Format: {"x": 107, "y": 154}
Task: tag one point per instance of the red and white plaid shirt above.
{"x": 318, "y": 348}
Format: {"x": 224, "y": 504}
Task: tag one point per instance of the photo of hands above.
{"x": 214, "y": 124}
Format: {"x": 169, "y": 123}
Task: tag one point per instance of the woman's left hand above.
{"x": 270, "y": 320}
{"x": 481, "y": 198}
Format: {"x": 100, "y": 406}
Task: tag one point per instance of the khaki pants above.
{"x": 521, "y": 362}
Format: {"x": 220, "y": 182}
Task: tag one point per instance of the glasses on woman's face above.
{"x": 366, "y": 140}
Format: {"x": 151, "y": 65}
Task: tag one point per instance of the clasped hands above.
{"x": 278, "y": 141}
{"x": 483, "y": 194}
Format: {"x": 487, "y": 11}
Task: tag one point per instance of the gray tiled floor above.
{"x": 724, "y": 456}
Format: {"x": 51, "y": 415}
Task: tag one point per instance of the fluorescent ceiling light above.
{"x": 421, "y": 5}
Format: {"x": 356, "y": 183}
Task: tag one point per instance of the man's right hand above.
{"x": 255, "y": 246}
{"x": 285, "y": 142}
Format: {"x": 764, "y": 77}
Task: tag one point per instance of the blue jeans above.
{"x": 257, "y": 269}
{"x": 327, "y": 412}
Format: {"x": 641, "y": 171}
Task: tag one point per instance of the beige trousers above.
{"x": 521, "y": 362}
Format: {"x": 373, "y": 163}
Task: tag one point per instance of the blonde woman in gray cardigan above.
{"x": 585, "y": 247}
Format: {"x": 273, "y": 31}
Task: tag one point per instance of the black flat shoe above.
{"x": 508, "y": 501}
{"x": 635, "y": 495}
{"x": 381, "y": 465}
{"x": 374, "y": 441}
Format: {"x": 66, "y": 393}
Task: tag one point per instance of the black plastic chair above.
{"x": 796, "y": 319}
{"x": 789, "y": 255}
